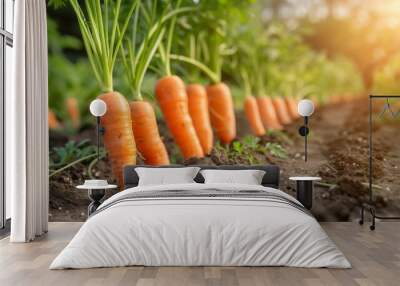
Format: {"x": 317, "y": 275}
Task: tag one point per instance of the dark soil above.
{"x": 338, "y": 152}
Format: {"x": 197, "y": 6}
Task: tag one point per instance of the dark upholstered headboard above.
{"x": 270, "y": 179}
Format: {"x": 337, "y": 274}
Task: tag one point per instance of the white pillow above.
{"x": 163, "y": 176}
{"x": 248, "y": 177}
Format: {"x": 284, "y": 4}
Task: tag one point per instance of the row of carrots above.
{"x": 262, "y": 113}
{"x": 193, "y": 113}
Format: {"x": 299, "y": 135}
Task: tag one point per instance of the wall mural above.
{"x": 219, "y": 82}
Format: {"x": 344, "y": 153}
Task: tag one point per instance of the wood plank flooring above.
{"x": 375, "y": 257}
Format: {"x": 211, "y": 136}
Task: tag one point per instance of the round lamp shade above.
{"x": 98, "y": 107}
{"x": 305, "y": 107}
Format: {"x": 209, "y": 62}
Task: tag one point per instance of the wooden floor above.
{"x": 375, "y": 257}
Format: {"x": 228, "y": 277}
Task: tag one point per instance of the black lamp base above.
{"x": 95, "y": 197}
{"x": 305, "y": 193}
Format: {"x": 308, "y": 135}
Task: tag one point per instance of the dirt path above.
{"x": 338, "y": 150}
{"x": 325, "y": 125}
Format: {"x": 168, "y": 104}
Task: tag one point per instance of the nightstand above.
{"x": 304, "y": 190}
{"x": 96, "y": 191}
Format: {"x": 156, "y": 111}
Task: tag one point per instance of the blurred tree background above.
{"x": 364, "y": 31}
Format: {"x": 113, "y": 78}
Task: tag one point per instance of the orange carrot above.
{"x": 291, "y": 104}
{"x": 222, "y": 113}
{"x": 73, "y": 111}
{"x": 52, "y": 119}
{"x": 198, "y": 110}
{"x": 172, "y": 98}
{"x": 253, "y": 115}
{"x": 147, "y": 137}
{"x": 281, "y": 110}
{"x": 118, "y": 135}
{"x": 268, "y": 114}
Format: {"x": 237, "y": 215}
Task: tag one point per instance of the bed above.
{"x": 198, "y": 224}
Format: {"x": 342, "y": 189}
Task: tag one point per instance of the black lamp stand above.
{"x": 303, "y": 131}
{"x": 100, "y": 131}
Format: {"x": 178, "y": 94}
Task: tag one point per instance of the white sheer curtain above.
{"x": 26, "y": 124}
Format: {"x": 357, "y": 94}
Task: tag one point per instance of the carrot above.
{"x": 291, "y": 104}
{"x": 147, "y": 137}
{"x": 281, "y": 110}
{"x": 73, "y": 111}
{"x": 172, "y": 98}
{"x": 268, "y": 114}
{"x": 198, "y": 110}
{"x": 253, "y": 115}
{"x": 222, "y": 112}
{"x": 53, "y": 121}
{"x": 118, "y": 135}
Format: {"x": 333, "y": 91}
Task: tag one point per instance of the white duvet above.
{"x": 200, "y": 231}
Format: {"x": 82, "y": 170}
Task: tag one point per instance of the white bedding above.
{"x": 200, "y": 231}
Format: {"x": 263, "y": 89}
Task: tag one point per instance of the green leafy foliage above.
{"x": 68, "y": 78}
{"x": 57, "y": 3}
{"x": 276, "y": 150}
{"x": 271, "y": 59}
{"x": 203, "y": 37}
{"x": 103, "y": 25}
{"x": 294, "y": 69}
{"x": 249, "y": 150}
{"x": 70, "y": 152}
{"x": 138, "y": 50}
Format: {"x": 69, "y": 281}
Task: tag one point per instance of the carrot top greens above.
{"x": 103, "y": 26}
